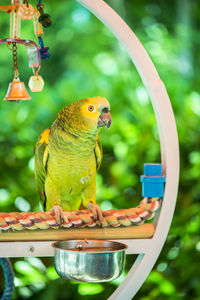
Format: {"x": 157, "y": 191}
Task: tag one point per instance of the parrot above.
{"x": 68, "y": 156}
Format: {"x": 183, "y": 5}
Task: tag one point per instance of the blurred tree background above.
{"x": 86, "y": 60}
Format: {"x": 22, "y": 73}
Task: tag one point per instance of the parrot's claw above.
{"x": 57, "y": 211}
{"x": 96, "y": 212}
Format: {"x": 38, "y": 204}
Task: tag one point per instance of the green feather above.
{"x": 67, "y": 158}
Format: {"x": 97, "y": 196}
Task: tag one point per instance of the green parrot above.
{"x": 68, "y": 156}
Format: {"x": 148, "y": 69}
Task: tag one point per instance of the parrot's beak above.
{"x": 104, "y": 119}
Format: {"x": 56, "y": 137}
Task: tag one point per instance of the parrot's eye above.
{"x": 91, "y": 108}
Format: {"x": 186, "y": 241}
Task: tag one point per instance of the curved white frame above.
{"x": 149, "y": 249}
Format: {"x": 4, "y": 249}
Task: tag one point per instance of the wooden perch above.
{"x": 122, "y": 223}
{"x": 131, "y": 232}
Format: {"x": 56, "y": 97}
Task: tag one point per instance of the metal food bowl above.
{"x": 89, "y": 261}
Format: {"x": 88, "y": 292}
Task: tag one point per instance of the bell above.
{"x": 17, "y": 91}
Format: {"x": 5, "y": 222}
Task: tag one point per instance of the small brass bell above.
{"x": 17, "y": 91}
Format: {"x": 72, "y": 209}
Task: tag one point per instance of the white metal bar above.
{"x": 23, "y": 249}
{"x": 43, "y": 248}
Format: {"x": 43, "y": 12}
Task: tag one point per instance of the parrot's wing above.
{"x": 98, "y": 153}
{"x": 41, "y": 158}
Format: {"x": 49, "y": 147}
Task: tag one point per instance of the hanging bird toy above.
{"x": 17, "y": 10}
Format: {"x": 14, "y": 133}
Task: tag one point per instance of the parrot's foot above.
{"x": 57, "y": 211}
{"x": 96, "y": 212}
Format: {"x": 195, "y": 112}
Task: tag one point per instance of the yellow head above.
{"x": 87, "y": 114}
{"x": 97, "y": 111}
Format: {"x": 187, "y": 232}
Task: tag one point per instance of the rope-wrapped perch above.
{"x": 80, "y": 218}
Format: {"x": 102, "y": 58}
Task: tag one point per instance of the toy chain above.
{"x": 15, "y": 63}
{"x": 45, "y": 20}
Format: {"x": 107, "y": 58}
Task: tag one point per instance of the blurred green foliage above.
{"x": 87, "y": 60}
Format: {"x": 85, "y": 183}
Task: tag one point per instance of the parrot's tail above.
{"x": 9, "y": 279}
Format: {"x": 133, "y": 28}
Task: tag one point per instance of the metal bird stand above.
{"x": 147, "y": 246}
